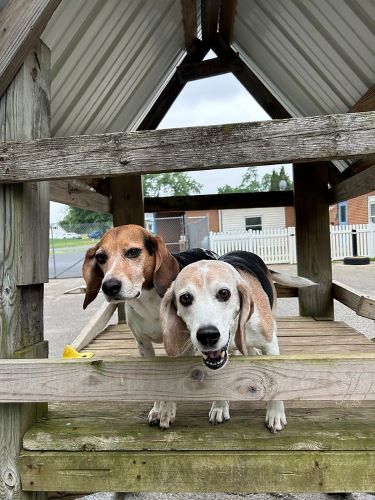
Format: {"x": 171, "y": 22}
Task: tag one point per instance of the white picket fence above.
{"x": 277, "y": 246}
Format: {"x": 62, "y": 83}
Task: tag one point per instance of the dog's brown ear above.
{"x": 246, "y": 309}
{"x": 92, "y": 274}
{"x": 175, "y": 333}
{"x": 166, "y": 266}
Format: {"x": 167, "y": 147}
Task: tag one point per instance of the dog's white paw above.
{"x": 275, "y": 416}
{"x": 163, "y": 413}
{"x": 219, "y": 412}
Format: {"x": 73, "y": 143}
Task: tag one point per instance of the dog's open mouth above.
{"x": 215, "y": 359}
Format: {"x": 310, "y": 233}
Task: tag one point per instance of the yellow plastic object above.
{"x": 71, "y": 353}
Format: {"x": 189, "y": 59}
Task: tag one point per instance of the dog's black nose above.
{"x": 111, "y": 287}
{"x": 208, "y": 335}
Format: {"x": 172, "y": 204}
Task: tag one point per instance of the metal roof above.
{"x": 317, "y": 57}
{"x": 109, "y": 61}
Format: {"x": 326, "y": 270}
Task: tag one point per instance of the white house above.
{"x": 243, "y": 219}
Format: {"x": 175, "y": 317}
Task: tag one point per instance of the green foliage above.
{"x": 170, "y": 184}
{"x": 250, "y": 182}
{"x": 77, "y": 216}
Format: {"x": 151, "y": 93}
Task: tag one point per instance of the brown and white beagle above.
{"x": 223, "y": 306}
{"x": 133, "y": 266}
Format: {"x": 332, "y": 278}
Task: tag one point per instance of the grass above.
{"x": 63, "y": 243}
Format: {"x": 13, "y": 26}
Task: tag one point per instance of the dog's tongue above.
{"x": 212, "y": 354}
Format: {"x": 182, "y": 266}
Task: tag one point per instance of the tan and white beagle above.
{"x": 222, "y": 306}
{"x": 133, "y": 266}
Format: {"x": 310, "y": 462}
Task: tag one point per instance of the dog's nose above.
{"x": 208, "y": 335}
{"x": 111, "y": 287}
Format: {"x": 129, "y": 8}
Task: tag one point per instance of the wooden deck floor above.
{"x": 326, "y": 447}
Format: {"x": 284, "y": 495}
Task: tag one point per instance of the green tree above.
{"x": 170, "y": 184}
{"x": 77, "y": 217}
{"x": 271, "y": 182}
{"x": 249, "y": 183}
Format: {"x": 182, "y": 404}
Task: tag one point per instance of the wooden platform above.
{"x": 326, "y": 447}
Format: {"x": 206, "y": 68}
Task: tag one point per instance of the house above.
{"x": 359, "y": 210}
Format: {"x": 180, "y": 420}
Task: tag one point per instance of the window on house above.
{"x": 342, "y": 209}
{"x": 371, "y": 211}
{"x": 254, "y": 223}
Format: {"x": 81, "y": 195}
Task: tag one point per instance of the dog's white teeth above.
{"x": 205, "y": 356}
{"x": 222, "y": 354}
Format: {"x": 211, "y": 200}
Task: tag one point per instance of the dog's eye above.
{"x": 186, "y": 299}
{"x": 132, "y": 253}
{"x": 101, "y": 258}
{"x": 223, "y": 294}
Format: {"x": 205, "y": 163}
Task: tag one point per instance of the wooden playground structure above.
{"x": 93, "y": 435}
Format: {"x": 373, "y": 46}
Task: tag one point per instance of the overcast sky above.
{"x": 212, "y": 101}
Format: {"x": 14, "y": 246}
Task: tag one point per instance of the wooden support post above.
{"x": 24, "y": 214}
{"x": 313, "y": 238}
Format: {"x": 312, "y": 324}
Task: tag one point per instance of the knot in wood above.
{"x": 10, "y": 478}
{"x": 123, "y": 161}
{"x": 252, "y": 389}
{"x": 197, "y": 374}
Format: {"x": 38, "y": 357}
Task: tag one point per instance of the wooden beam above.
{"x": 197, "y": 148}
{"x": 359, "y": 184}
{"x": 358, "y": 166}
{"x": 69, "y": 193}
{"x": 349, "y": 377}
{"x": 363, "y": 305}
{"x": 207, "y": 69}
{"x": 365, "y": 103}
{"x": 313, "y": 239}
{"x": 220, "y": 201}
{"x": 209, "y": 19}
{"x": 226, "y": 19}
{"x": 172, "y": 89}
{"x": 21, "y": 24}
{"x": 189, "y": 20}
{"x": 127, "y": 200}
{"x": 202, "y": 471}
{"x": 95, "y": 326}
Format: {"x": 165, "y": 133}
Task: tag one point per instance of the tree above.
{"x": 271, "y": 182}
{"x": 77, "y": 217}
{"x": 170, "y": 184}
{"x": 249, "y": 183}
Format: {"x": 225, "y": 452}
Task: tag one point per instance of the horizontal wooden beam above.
{"x": 207, "y": 69}
{"x": 21, "y": 24}
{"x": 363, "y": 305}
{"x": 202, "y": 471}
{"x": 197, "y": 148}
{"x": 331, "y": 377}
{"x": 358, "y": 184}
{"x": 285, "y": 292}
{"x": 220, "y": 201}
{"x": 72, "y": 194}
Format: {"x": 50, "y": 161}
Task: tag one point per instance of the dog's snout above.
{"x": 208, "y": 335}
{"x": 111, "y": 287}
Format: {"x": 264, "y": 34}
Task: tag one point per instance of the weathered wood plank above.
{"x": 313, "y": 239}
{"x": 365, "y": 103}
{"x": 331, "y": 377}
{"x": 21, "y": 24}
{"x": 209, "y": 18}
{"x": 69, "y": 193}
{"x": 127, "y": 200}
{"x": 206, "y": 69}
{"x": 358, "y": 184}
{"x": 220, "y": 201}
{"x": 363, "y": 305}
{"x": 196, "y": 148}
{"x": 96, "y": 325}
{"x": 226, "y": 19}
{"x": 200, "y": 471}
{"x": 189, "y": 20}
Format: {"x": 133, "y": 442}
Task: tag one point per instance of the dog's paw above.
{"x": 219, "y": 412}
{"x": 163, "y": 413}
{"x": 275, "y": 416}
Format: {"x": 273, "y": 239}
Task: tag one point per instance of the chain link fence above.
{"x": 68, "y": 244}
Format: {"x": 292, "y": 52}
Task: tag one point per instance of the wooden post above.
{"x": 313, "y": 238}
{"x": 127, "y": 208}
{"x": 24, "y": 224}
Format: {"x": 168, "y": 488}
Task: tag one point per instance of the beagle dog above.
{"x": 223, "y": 306}
{"x": 133, "y": 266}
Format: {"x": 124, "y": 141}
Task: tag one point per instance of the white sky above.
{"x": 211, "y": 101}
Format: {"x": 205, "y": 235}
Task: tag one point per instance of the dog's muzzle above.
{"x": 216, "y": 359}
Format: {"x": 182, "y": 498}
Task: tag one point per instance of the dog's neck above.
{"x": 147, "y": 305}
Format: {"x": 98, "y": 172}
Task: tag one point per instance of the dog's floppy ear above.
{"x": 92, "y": 274}
{"x": 175, "y": 333}
{"x": 166, "y": 266}
{"x": 246, "y": 309}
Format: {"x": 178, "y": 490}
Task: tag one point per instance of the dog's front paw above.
{"x": 219, "y": 412}
{"x": 163, "y": 413}
{"x": 275, "y": 416}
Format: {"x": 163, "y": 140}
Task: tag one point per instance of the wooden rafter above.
{"x": 220, "y": 201}
{"x": 361, "y": 183}
{"x": 206, "y": 69}
{"x": 226, "y": 19}
{"x": 189, "y": 20}
{"x": 297, "y": 140}
{"x": 209, "y": 19}
{"x": 21, "y": 24}
{"x": 71, "y": 193}
{"x": 365, "y": 103}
